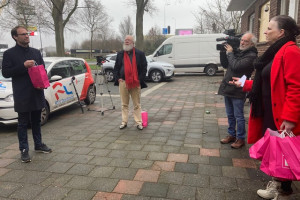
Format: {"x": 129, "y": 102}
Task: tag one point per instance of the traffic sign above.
{"x": 165, "y": 31}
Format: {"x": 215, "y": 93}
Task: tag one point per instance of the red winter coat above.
{"x": 285, "y": 91}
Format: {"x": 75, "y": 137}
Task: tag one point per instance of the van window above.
{"x": 164, "y": 50}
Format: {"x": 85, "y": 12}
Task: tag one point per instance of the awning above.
{"x": 239, "y": 5}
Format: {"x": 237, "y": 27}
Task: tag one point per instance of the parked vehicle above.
{"x": 1, "y": 56}
{"x": 61, "y": 92}
{"x": 191, "y": 53}
{"x": 156, "y": 71}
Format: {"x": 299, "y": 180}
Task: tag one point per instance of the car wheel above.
{"x": 109, "y": 75}
{"x": 45, "y": 114}
{"x": 91, "y": 95}
{"x": 156, "y": 76}
{"x": 211, "y": 70}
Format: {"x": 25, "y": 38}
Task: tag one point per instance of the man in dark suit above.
{"x": 130, "y": 71}
{"x": 28, "y": 101}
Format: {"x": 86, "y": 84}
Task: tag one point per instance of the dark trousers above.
{"x": 23, "y": 120}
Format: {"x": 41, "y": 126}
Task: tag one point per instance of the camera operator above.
{"x": 240, "y": 63}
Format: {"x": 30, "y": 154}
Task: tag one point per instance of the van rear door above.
{"x": 165, "y": 53}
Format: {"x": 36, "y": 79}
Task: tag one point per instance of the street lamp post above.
{"x": 166, "y": 4}
{"x": 175, "y": 25}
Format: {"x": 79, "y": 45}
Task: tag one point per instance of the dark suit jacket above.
{"x": 141, "y": 63}
{"x": 26, "y": 97}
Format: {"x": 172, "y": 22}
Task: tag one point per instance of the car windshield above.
{"x": 2, "y": 78}
{"x": 47, "y": 64}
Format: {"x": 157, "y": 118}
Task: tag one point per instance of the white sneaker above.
{"x": 271, "y": 191}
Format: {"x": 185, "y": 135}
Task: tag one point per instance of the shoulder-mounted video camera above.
{"x": 232, "y": 39}
{"x": 101, "y": 60}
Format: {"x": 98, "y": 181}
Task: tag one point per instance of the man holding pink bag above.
{"x": 28, "y": 100}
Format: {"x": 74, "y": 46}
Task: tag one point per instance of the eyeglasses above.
{"x": 23, "y": 34}
{"x": 246, "y": 41}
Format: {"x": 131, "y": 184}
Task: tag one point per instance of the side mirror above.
{"x": 156, "y": 54}
{"x": 55, "y": 78}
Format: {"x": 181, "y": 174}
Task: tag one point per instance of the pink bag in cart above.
{"x": 144, "y": 119}
{"x": 38, "y": 76}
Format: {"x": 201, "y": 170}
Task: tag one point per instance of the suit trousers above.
{"x": 135, "y": 94}
{"x": 24, "y": 118}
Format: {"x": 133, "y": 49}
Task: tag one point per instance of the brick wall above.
{"x": 255, "y": 8}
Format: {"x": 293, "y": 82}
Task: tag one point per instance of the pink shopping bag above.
{"x": 38, "y": 76}
{"x": 274, "y": 162}
{"x": 291, "y": 149}
{"x": 257, "y": 150}
{"x": 144, "y": 119}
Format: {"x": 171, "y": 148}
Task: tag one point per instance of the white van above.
{"x": 191, "y": 53}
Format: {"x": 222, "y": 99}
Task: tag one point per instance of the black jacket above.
{"x": 26, "y": 97}
{"x": 239, "y": 64}
{"x": 141, "y": 63}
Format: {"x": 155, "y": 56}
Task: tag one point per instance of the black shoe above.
{"x": 25, "y": 156}
{"x": 43, "y": 149}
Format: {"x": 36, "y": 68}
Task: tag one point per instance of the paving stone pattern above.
{"x": 178, "y": 156}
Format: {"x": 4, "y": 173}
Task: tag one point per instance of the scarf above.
{"x": 255, "y": 96}
{"x": 130, "y": 68}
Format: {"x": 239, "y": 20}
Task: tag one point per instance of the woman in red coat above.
{"x": 275, "y": 92}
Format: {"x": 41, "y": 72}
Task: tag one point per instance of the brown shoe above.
{"x": 228, "y": 139}
{"x": 238, "y": 144}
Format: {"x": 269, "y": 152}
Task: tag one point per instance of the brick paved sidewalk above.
{"x": 178, "y": 156}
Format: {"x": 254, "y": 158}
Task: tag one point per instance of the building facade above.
{"x": 257, "y": 14}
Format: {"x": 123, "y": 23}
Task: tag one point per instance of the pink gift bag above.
{"x": 257, "y": 150}
{"x": 144, "y": 118}
{"x": 38, "y": 76}
{"x": 275, "y": 162}
{"x": 291, "y": 149}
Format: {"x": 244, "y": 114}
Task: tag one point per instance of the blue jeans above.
{"x": 235, "y": 114}
{"x": 23, "y": 120}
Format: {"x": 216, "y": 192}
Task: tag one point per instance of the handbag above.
{"x": 38, "y": 76}
{"x": 291, "y": 149}
{"x": 144, "y": 119}
{"x": 257, "y": 150}
{"x": 275, "y": 162}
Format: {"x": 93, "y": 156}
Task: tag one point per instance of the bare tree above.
{"x": 93, "y": 18}
{"x": 4, "y": 3}
{"x": 142, "y": 6}
{"x": 60, "y": 12}
{"x": 18, "y": 12}
{"x": 126, "y": 27}
{"x": 153, "y": 39}
{"x": 213, "y": 17}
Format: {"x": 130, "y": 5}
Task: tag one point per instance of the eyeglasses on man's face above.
{"x": 23, "y": 34}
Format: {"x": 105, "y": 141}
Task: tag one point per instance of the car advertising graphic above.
{"x": 2, "y": 87}
{"x": 60, "y": 100}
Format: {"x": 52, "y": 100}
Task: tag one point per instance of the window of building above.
{"x": 290, "y": 8}
{"x": 251, "y": 23}
{"x": 264, "y": 20}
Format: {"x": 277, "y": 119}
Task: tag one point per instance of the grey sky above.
{"x": 176, "y": 12}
